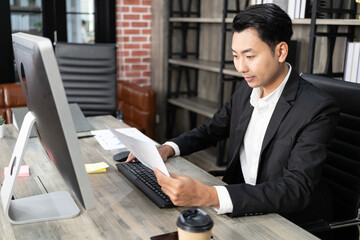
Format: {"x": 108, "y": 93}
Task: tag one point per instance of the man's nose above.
{"x": 240, "y": 66}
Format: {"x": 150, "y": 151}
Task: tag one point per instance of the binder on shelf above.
{"x": 358, "y": 72}
{"x": 297, "y": 8}
{"x": 348, "y": 61}
{"x": 80, "y": 122}
{"x": 291, "y": 9}
{"x": 352, "y": 62}
{"x": 302, "y": 8}
{"x": 294, "y": 8}
{"x": 355, "y": 63}
{"x": 283, "y": 4}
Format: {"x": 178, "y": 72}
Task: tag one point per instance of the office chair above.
{"x": 88, "y": 72}
{"x": 342, "y": 167}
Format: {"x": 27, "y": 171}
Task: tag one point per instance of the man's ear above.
{"x": 281, "y": 51}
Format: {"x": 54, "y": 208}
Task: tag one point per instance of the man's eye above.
{"x": 234, "y": 56}
{"x": 249, "y": 57}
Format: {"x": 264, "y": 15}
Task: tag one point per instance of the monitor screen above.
{"x": 46, "y": 100}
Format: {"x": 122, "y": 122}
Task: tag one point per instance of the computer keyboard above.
{"x": 144, "y": 179}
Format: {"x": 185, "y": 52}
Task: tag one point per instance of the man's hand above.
{"x": 164, "y": 150}
{"x": 185, "y": 191}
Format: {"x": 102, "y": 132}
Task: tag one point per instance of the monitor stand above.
{"x": 44, "y": 207}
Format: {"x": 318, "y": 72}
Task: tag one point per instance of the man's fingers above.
{"x": 159, "y": 175}
{"x": 163, "y": 180}
{"x": 130, "y": 158}
{"x": 174, "y": 175}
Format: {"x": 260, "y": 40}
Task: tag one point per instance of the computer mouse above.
{"x": 121, "y": 156}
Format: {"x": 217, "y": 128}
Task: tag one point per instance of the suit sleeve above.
{"x": 294, "y": 189}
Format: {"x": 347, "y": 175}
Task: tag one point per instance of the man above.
{"x": 278, "y": 127}
{"x": 84, "y": 32}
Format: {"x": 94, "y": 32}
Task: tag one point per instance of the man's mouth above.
{"x": 249, "y": 79}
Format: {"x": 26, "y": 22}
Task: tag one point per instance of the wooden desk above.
{"x": 122, "y": 211}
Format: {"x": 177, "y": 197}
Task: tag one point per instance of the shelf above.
{"x": 199, "y": 20}
{"x": 204, "y": 65}
{"x": 29, "y": 9}
{"x": 197, "y": 105}
{"x": 297, "y": 21}
{"x": 339, "y": 22}
{"x": 195, "y": 20}
{"x": 352, "y": 22}
{"x": 33, "y": 32}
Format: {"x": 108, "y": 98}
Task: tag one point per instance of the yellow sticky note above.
{"x": 99, "y": 170}
{"x": 96, "y": 167}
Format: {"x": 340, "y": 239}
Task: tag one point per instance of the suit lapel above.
{"x": 233, "y": 173}
{"x": 282, "y": 107}
{"x": 243, "y": 124}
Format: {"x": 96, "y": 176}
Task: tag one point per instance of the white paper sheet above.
{"x": 110, "y": 142}
{"x": 107, "y": 140}
{"x": 135, "y": 133}
{"x": 145, "y": 151}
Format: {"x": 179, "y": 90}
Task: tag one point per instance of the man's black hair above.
{"x": 271, "y": 22}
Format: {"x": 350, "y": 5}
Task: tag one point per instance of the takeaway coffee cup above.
{"x": 194, "y": 224}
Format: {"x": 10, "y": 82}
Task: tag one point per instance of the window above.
{"x": 26, "y": 16}
{"x": 80, "y": 20}
{"x": 58, "y": 20}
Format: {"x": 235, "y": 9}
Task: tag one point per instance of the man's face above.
{"x": 254, "y": 59}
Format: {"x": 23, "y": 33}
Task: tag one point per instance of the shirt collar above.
{"x": 272, "y": 98}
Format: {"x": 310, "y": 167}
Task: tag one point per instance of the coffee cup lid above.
{"x": 194, "y": 220}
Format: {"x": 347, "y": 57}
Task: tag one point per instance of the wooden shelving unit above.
{"x": 197, "y": 105}
{"x": 204, "y": 65}
{"x": 334, "y": 12}
{"x": 185, "y": 61}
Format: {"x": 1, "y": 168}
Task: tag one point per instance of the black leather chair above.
{"x": 88, "y": 72}
{"x": 342, "y": 167}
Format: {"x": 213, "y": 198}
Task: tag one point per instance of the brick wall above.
{"x": 133, "y": 36}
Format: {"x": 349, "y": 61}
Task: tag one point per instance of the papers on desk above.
{"x": 145, "y": 151}
{"x": 109, "y": 141}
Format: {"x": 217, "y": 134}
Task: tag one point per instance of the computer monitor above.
{"x": 50, "y": 114}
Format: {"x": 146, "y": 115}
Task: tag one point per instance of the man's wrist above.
{"x": 169, "y": 150}
{"x": 212, "y": 198}
{"x": 174, "y": 147}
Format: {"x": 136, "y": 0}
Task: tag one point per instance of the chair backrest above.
{"x": 138, "y": 106}
{"x": 342, "y": 168}
{"x": 88, "y": 72}
{"x": 11, "y": 96}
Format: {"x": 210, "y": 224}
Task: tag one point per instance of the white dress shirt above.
{"x": 254, "y": 136}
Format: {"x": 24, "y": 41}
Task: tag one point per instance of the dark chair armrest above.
{"x": 217, "y": 173}
{"x": 316, "y": 227}
{"x": 323, "y": 226}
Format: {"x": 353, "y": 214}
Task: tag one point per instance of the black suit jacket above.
{"x": 292, "y": 153}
